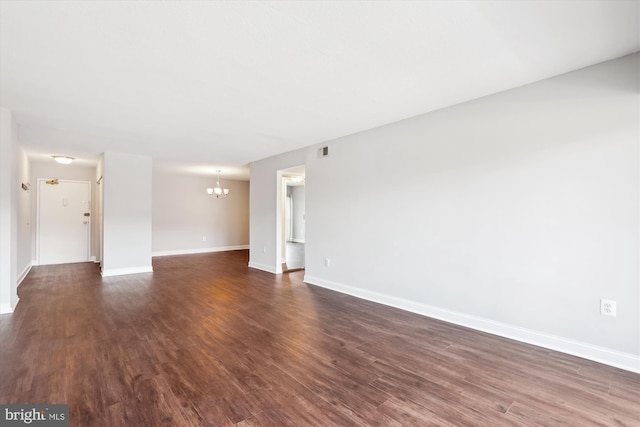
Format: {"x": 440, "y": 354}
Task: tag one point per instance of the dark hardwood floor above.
{"x": 204, "y": 340}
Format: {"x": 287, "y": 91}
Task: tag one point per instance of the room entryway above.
{"x": 64, "y": 221}
{"x": 293, "y": 221}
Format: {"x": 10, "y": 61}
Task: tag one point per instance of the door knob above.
{"x": 85, "y": 222}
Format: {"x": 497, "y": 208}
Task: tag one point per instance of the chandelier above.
{"x": 218, "y": 191}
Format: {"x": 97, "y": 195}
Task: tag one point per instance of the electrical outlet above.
{"x": 264, "y": 250}
{"x": 327, "y": 262}
{"x": 204, "y": 238}
{"x": 608, "y": 307}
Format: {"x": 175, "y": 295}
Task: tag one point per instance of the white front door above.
{"x": 64, "y": 223}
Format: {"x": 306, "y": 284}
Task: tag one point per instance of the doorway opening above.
{"x": 292, "y": 236}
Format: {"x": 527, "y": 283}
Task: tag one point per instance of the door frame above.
{"x": 90, "y": 208}
{"x": 281, "y": 200}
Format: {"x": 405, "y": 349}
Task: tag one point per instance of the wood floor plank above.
{"x": 206, "y": 341}
{"x": 409, "y": 413}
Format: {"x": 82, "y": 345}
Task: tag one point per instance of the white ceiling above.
{"x": 201, "y": 85}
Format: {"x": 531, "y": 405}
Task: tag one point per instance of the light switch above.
{"x": 65, "y": 202}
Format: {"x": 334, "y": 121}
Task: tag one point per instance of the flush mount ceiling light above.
{"x": 218, "y": 191}
{"x": 65, "y": 160}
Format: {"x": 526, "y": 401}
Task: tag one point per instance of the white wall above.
{"x": 98, "y": 210}
{"x": 297, "y": 196}
{"x": 514, "y": 213}
{"x": 127, "y": 193}
{"x": 15, "y": 243}
{"x": 25, "y": 207}
{"x": 8, "y": 213}
{"x": 184, "y": 215}
{"x": 53, "y": 170}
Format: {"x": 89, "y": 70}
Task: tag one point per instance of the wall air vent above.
{"x": 323, "y": 151}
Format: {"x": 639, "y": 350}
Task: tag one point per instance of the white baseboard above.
{"x": 297, "y": 240}
{"x": 124, "y": 271}
{"x": 626, "y": 361}
{"x": 200, "y": 250}
{"x": 36, "y": 263}
{"x": 8, "y": 308}
{"x": 264, "y": 267}
{"x": 24, "y": 274}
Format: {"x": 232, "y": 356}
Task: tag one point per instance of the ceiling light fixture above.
{"x": 65, "y": 160}
{"x": 218, "y": 191}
